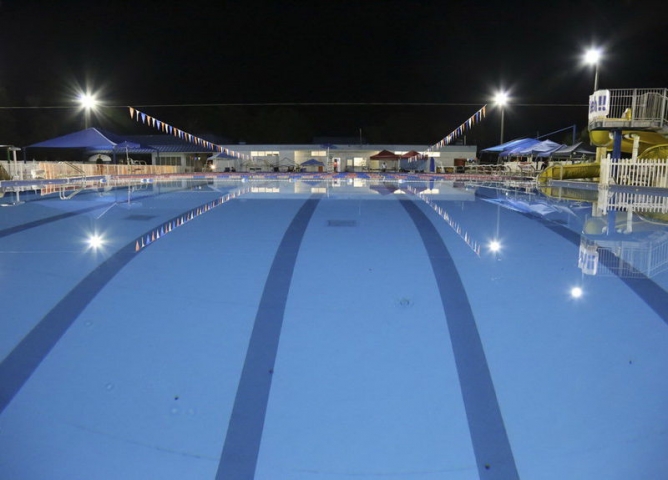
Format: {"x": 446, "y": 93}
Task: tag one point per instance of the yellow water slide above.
{"x": 602, "y": 138}
{"x": 559, "y": 171}
{"x": 639, "y": 114}
{"x": 650, "y": 145}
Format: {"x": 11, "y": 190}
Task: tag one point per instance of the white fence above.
{"x": 638, "y": 202}
{"x": 635, "y": 172}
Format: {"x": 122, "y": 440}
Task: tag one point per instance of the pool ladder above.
{"x": 64, "y": 193}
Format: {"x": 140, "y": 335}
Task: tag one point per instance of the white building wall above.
{"x": 296, "y": 154}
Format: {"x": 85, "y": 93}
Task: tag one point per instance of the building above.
{"x": 163, "y": 149}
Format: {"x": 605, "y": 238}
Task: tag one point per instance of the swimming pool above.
{"x": 331, "y": 327}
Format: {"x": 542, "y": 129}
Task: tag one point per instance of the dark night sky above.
{"x": 162, "y": 57}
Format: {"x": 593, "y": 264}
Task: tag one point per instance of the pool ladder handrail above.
{"x": 82, "y": 179}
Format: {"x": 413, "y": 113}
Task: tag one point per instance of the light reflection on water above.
{"x": 631, "y": 227}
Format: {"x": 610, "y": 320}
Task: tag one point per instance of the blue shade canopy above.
{"x": 312, "y": 161}
{"x": 575, "y": 150}
{"x": 126, "y": 144}
{"x": 528, "y": 144}
{"x": 540, "y": 149}
{"x": 517, "y": 143}
{"x": 91, "y": 138}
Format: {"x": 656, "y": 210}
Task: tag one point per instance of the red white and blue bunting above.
{"x": 148, "y": 238}
{"x": 170, "y": 130}
{"x": 474, "y": 119}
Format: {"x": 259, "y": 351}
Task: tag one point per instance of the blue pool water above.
{"x": 332, "y": 328}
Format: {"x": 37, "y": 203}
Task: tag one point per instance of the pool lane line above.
{"x": 647, "y": 289}
{"x": 62, "y": 216}
{"x": 491, "y": 446}
{"x": 28, "y": 354}
{"x": 37, "y": 223}
{"x": 244, "y": 433}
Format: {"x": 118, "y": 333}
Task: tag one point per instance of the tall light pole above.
{"x": 592, "y": 57}
{"x": 501, "y": 99}
{"x": 88, "y": 102}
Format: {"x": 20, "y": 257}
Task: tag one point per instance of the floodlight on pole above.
{"x": 593, "y": 57}
{"x": 88, "y": 102}
{"x": 501, "y": 99}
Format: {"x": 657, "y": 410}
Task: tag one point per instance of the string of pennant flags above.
{"x": 474, "y": 119}
{"x": 157, "y": 233}
{"x": 164, "y": 127}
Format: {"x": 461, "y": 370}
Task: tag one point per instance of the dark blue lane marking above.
{"x": 244, "y": 433}
{"x": 491, "y": 446}
{"x": 21, "y": 363}
{"x": 25, "y": 358}
{"x": 36, "y": 223}
{"x": 43, "y": 221}
{"x": 647, "y": 289}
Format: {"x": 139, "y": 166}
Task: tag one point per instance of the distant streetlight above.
{"x": 88, "y": 102}
{"x": 592, "y": 57}
{"x": 501, "y": 99}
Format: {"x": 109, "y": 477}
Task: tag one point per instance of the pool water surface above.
{"x": 331, "y": 327}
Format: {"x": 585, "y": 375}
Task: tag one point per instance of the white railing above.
{"x": 635, "y": 172}
{"x": 631, "y": 201}
{"x": 635, "y": 108}
{"x": 639, "y": 202}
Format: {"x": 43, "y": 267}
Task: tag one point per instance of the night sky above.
{"x": 402, "y": 71}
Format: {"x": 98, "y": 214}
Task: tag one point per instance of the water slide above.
{"x": 650, "y": 145}
{"x": 647, "y": 139}
{"x": 640, "y": 114}
{"x": 577, "y": 171}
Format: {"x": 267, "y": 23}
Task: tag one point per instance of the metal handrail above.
{"x": 82, "y": 179}
{"x": 75, "y": 167}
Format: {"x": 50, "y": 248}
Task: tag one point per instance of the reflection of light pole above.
{"x": 88, "y": 102}
{"x": 501, "y": 99}
{"x": 592, "y": 57}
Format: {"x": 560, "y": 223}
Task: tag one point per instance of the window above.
{"x": 319, "y": 153}
{"x": 265, "y": 153}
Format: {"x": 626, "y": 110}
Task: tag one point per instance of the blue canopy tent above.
{"x": 494, "y": 154}
{"x": 578, "y": 150}
{"x": 515, "y": 151}
{"x": 540, "y": 149}
{"x": 517, "y": 143}
{"x": 88, "y": 140}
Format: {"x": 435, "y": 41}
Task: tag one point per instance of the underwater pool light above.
{"x": 576, "y": 292}
{"x": 494, "y": 246}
